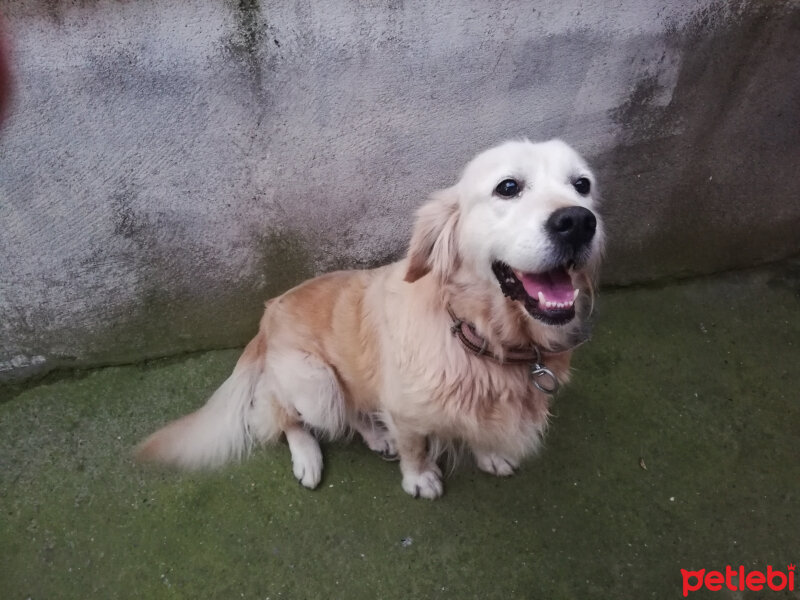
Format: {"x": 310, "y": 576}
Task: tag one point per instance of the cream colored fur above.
{"x": 372, "y": 351}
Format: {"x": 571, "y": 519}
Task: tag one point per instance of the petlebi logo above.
{"x": 739, "y": 580}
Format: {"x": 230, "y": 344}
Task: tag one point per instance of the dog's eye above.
{"x": 582, "y": 185}
{"x": 508, "y": 188}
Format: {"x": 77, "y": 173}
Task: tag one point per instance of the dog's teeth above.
{"x": 541, "y": 299}
{"x": 575, "y": 297}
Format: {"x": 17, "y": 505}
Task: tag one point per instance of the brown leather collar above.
{"x": 472, "y": 341}
{"x": 541, "y": 377}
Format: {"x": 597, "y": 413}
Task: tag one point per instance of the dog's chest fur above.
{"x": 446, "y": 391}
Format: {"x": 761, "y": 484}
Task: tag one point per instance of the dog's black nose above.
{"x": 573, "y": 226}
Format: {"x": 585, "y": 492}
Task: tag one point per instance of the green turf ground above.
{"x": 698, "y": 382}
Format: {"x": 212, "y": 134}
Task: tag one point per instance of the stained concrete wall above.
{"x": 169, "y": 165}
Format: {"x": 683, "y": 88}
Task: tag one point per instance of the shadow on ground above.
{"x": 676, "y": 447}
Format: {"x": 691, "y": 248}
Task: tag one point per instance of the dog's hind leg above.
{"x": 306, "y": 456}
{"x": 307, "y": 389}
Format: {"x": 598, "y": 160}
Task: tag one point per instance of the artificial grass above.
{"x": 676, "y": 446}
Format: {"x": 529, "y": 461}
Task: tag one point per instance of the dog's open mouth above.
{"x": 548, "y": 296}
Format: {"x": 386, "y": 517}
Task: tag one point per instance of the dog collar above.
{"x": 541, "y": 377}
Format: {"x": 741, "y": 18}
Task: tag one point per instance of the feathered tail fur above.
{"x": 233, "y": 419}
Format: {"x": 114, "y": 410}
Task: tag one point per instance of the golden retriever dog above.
{"x": 463, "y": 341}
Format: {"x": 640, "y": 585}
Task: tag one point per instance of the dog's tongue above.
{"x": 555, "y": 285}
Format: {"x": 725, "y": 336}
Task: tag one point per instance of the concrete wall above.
{"x": 169, "y": 165}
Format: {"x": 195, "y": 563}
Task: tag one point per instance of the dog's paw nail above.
{"x": 389, "y": 456}
{"x": 299, "y": 476}
{"x": 495, "y": 464}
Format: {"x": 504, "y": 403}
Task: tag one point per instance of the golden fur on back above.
{"x": 373, "y": 351}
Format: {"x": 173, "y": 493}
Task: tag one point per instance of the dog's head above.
{"x": 522, "y": 218}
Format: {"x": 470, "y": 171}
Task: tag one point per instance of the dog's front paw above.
{"x": 427, "y": 484}
{"x": 495, "y": 464}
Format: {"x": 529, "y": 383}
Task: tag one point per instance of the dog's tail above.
{"x": 234, "y": 418}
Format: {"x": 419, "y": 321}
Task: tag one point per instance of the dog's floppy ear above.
{"x": 433, "y": 244}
